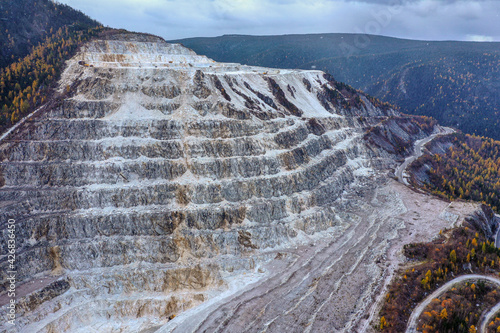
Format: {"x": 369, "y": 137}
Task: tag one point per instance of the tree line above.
{"x": 27, "y": 83}
{"x": 454, "y": 252}
{"x": 469, "y": 169}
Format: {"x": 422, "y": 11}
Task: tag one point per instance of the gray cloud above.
{"x": 415, "y": 19}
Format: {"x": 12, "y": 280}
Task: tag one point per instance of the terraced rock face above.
{"x": 163, "y": 178}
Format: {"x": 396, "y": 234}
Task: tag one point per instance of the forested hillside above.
{"x": 26, "y": 23}
{"x": 467, "y": 167}
{"x": 458, "y": 83}
{"x": 42, "y": 36}
{"x": 453, "y": 253}
{"x": 462, "y": 90}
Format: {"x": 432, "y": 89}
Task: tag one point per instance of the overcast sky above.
{"x": 414, "y": 19}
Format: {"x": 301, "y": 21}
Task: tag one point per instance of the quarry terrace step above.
{"x": 157, "y": 156}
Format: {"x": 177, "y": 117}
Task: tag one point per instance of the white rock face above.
{"x": 164, "y": 180}
{"x": 113, "y": 54}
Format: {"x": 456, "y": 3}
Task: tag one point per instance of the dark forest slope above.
{"x": 25, "y": 23}
{"x": 37, "y": 38}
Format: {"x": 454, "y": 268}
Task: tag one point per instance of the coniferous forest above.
{"x": 454, "y": 252}
{"x": 458, "y": 166}
{"x": 25, "y": 24}
{"x": 35, "y": 52}
{"x": 468, "y": 169}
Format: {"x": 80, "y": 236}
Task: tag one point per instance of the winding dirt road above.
{"x": 497, "y": 240}
{"x": 413, "y": 321}
{"x": 418, "y": 151}
{"x": 483, "y": 322}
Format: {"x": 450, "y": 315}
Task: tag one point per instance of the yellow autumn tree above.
{"x": 443, "y": 314}
{"x": 383, "y": 323}
{"x": 453, "y": 256}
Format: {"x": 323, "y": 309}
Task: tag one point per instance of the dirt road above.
{"x": 413, "y": 321}
{"x": 497, "y": 240}
{"x": 488, "y": 317}
{"x": 418, "y": 151}
{"x": 28, "y": 287}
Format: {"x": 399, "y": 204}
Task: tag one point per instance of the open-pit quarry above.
{"x": 160, "y": 191}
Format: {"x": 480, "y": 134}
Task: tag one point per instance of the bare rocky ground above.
{"x": 336, "y": 281}
{"x": 241, "y": 199}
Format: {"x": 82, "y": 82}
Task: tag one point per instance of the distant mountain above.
{"x": 26, "y": 23}
{"x": 458, "y": 83}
